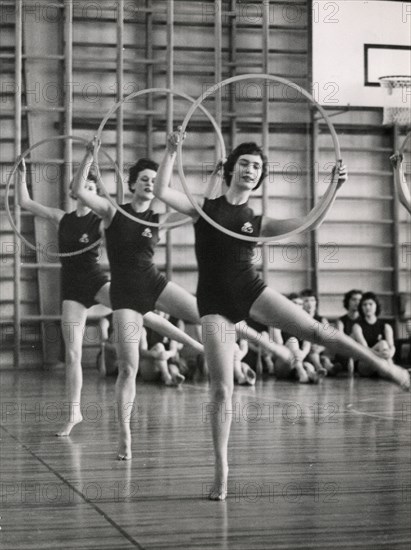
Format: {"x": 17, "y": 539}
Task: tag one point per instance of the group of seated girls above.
{"x": 293, "y": 358}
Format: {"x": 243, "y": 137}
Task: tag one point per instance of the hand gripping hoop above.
{"x": 8, "y": 185}
{"x": 320, "y": 210}
{"x": 113, "y": 109}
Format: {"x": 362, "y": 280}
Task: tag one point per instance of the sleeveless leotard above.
{"x": 136, "y": 282}
{"x": 228, "y": 282}
{"x": 81, "y": 275}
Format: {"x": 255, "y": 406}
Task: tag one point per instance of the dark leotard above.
{"x": 372, "y": 333}
{"x": 136, "y": 282}
{"x": 348, "y": 323}
{"x": 228, "y": 282}
{"x": 81, "y": 275}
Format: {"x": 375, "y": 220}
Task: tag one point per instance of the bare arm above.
{"x": 389, "y": 337}
{"x": 26, "y": 202}
{"x": 175, "y": 199}
{"x": 305, "y": 348}
{"x": 100, "y": 205}
{"x": 358, "y": 335}
{"x": 271, "y": 227}
{"x": 400, "y": 182}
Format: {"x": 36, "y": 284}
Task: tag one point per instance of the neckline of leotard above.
{"x": 242, "y": 205}
{"x": 134, "y": 212}
{"x": 85, "y": 215}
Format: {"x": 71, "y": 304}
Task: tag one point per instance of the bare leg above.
{"x": 297, "y": 362}
{"x": 249, "y": 374}
{"x": 127, "y": 327}
{"x": 176, "y": 376}
{"x": 179, "y": 303}
{"x": 219, "y": 342}
{"x": 72, "y": 324}
{"x": 274, "y": 309}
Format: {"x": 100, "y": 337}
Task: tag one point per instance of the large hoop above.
{"x": 113, "y": 109}
{"x": 404, "y": 195}
{"x": 8, "y": 185}
{"x": 317, "y": 213}
{"x": 404, "y": 143}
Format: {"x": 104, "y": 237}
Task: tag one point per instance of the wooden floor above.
{"x": 311, "y": 468}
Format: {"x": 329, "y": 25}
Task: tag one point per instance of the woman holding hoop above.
{"x": 137, "y": 287}
{"x": 83, "y": 284}
{"x": 229, "y": 288}
{"x": 83, "y": 281}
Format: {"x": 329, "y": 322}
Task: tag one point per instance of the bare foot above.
{"x": 68, "y": 426}
{"x": 301, "y": 372}
{"x": 178, "y": 379}
{"x": 249, "y": 375}
{"x": 398, "y": 375}
{"x": 124, "y": 446}
{"x": 219, "y": 488}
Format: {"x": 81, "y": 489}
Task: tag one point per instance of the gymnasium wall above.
{"x": 359, "y": 244}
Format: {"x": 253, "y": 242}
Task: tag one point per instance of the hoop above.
{"x": 403, "y": 192}
{"x": 404, "y": 143}
{"x": 8, "y": 185}
{"x": 113, "y": 109}
{"x": 317, "y": 213}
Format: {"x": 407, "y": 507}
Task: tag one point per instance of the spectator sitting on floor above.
{"x": 373, "y": 332}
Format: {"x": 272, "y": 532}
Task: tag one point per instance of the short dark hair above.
{"x": 247, "y": 148}
{"x": 139, "y": 166}
{"x": 369, "y": 296}
{"x": 348, "y": 295}
{"x": 294, "y": 296}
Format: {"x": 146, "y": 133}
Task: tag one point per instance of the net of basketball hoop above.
{"x": 399, "y": 88}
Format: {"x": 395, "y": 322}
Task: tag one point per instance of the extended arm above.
{"x": 271, "y": 227}
{"x": 101, "y": 206}
{"x": 25, "y": 201}
{"x": 175, "y": 199}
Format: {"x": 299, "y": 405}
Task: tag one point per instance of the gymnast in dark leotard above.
{"x": 137, "y": 287}
{"x": 83, "y": 282}
{"x": 226, "y": 270}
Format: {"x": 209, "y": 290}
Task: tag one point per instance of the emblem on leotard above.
{"x": 84, "y": 238}
{"x": 247, "y": 228}
{"x": 147, "y": 233}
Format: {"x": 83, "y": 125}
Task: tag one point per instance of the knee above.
{"x": 222, "y": 391}
{"x": 127, "y": 369}
{"x": 73, "y": 356}
{"x": 158, "y": 347}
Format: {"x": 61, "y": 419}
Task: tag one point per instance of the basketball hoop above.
{"x": 399, "y": 85}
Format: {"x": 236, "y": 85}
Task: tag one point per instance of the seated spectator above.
{"x": 160, "y": 358}
{"x": 345, "y": 323}
{"x": 296, "y": 366}
{"x": 318, "y": 355}
{"x": 174, "y": 339}
{"x": 243, "y": 373}
{"x": 373, "y": 332}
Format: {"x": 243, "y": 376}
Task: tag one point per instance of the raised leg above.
{"x": 179, "y": 303}
{"x": 275, "y": 310}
